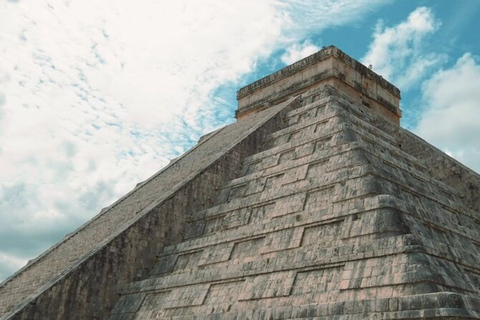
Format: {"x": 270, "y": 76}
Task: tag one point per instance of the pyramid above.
{"x": 315, "y": 204}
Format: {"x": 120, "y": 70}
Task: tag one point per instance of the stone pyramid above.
{"x": 315, "y": 204}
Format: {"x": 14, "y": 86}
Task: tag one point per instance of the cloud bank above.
{"x": 451, "y": 118}
{"x": 400, "y": 53}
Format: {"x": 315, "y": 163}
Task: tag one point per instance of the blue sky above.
{"x": 96, "y": 96}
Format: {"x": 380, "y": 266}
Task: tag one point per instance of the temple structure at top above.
{"x": 329, "y": 66}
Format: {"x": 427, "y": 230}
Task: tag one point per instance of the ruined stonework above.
{"x": 314, "y": 204}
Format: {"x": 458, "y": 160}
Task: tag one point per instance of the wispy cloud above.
{"x": 307, "y": 15}
{"x": 400, "y": 54}
{"x": 450, "y": 120}
{"x": 96, "y": 96}
{"x": 9, "y": 264}
{"x": 298, "y": 51}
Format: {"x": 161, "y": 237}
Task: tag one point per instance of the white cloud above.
{"x": 298, "y": 51}
{"x": 451, "y": 118}
{"x": 96, "y": 96}
{"x": 317, "y": 15}
{"x": 9, "y": 263}
{"x": 398, "y": 53}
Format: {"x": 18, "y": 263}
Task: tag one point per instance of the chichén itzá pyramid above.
{"x": 314, "y": 204}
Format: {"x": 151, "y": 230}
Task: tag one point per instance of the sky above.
{"x": 96, "y": 96}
